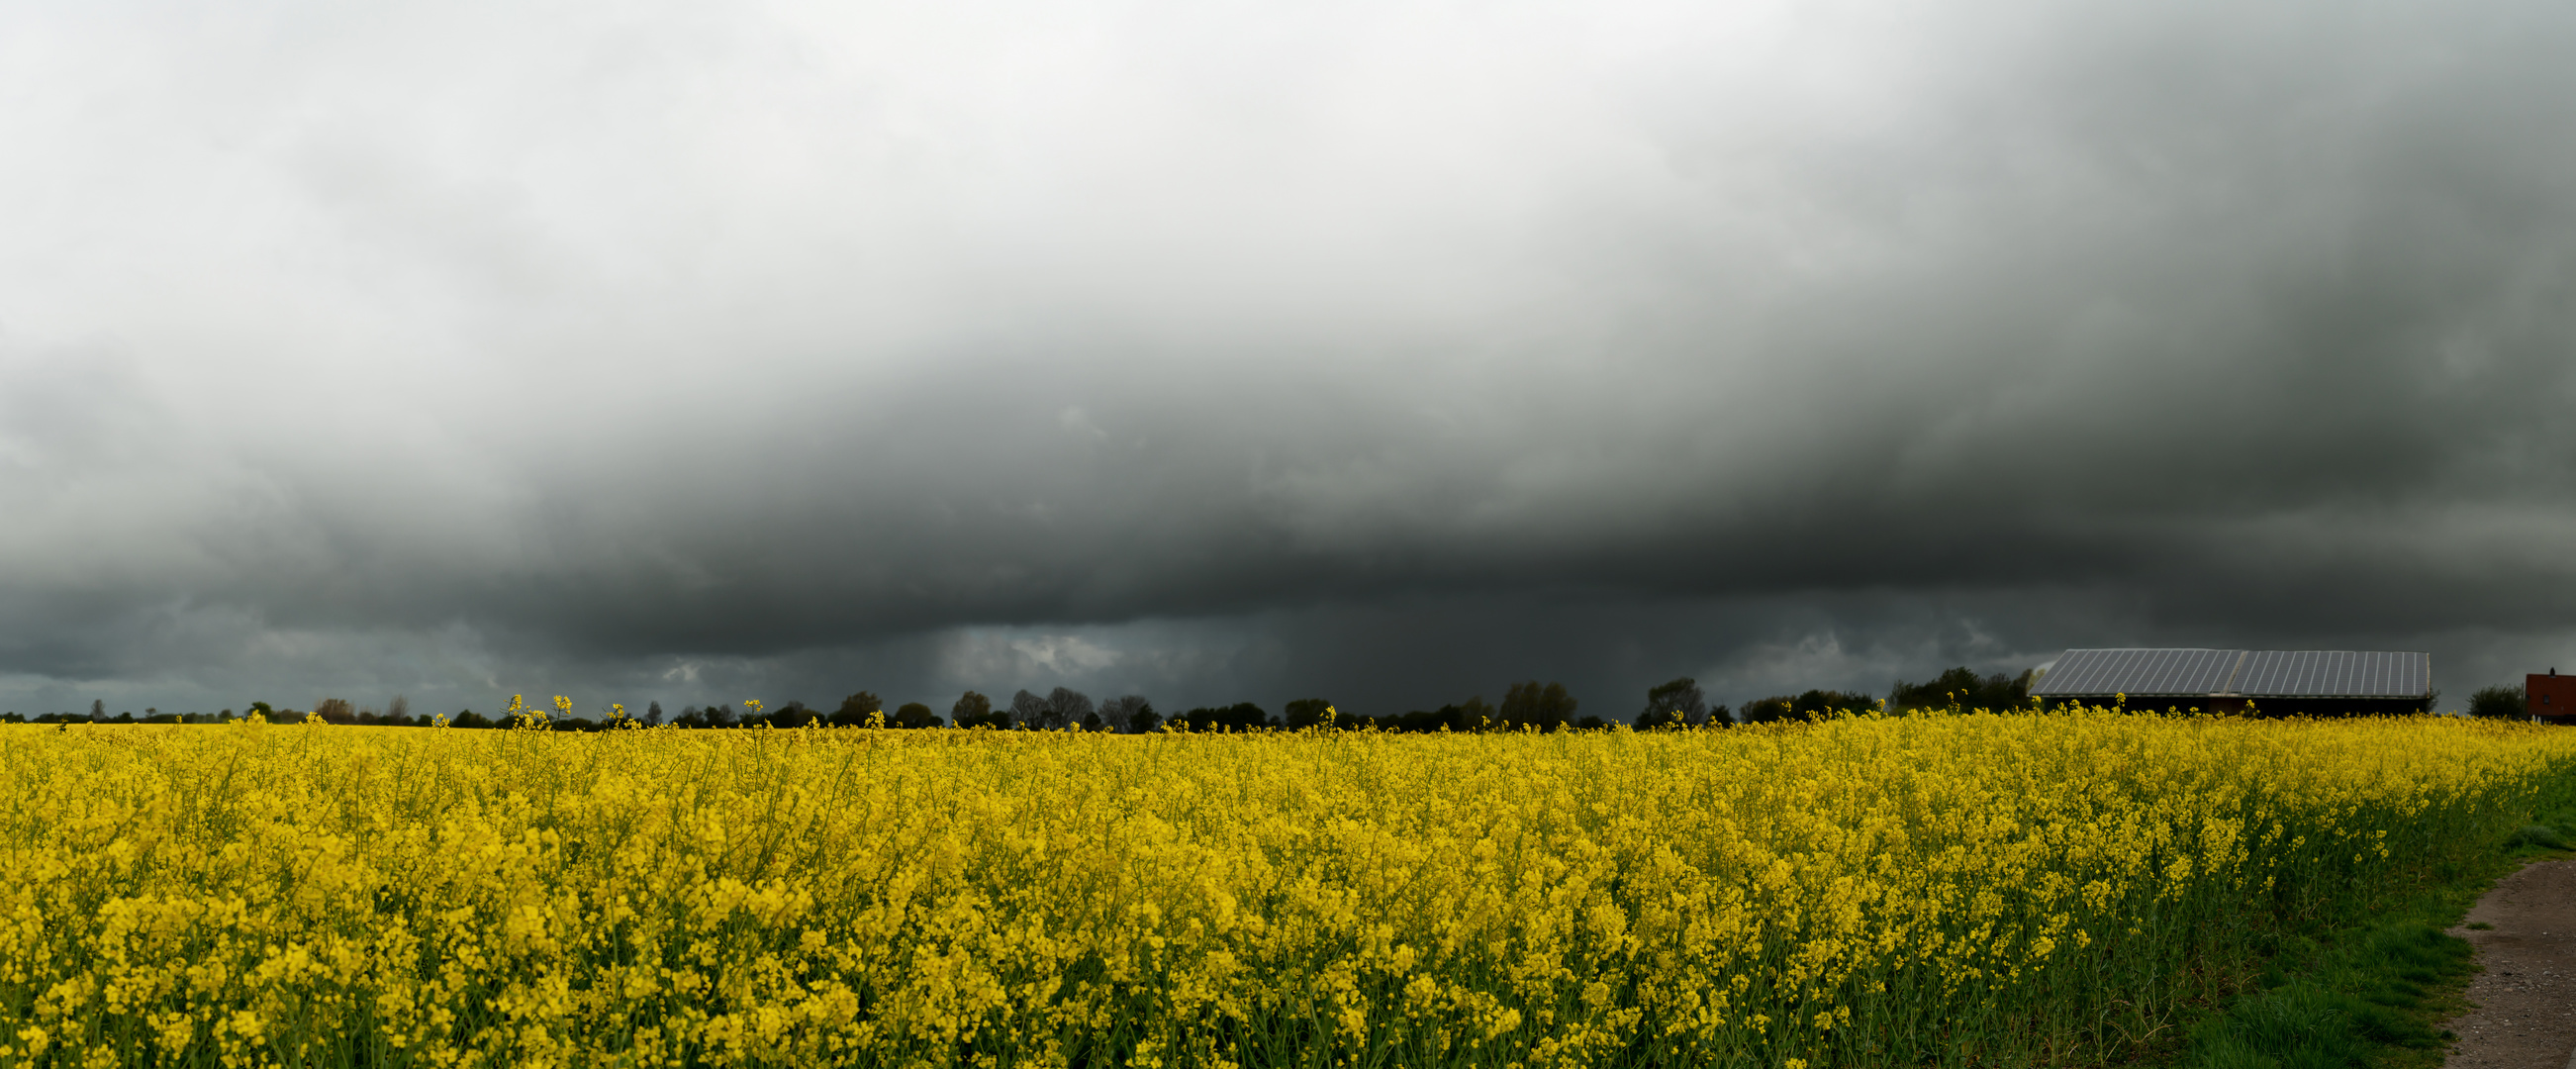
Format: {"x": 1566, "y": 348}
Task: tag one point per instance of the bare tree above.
{"x": 1130, "y": 713}
{"x": 1066, "y": 707}
{"x": 336, "y": 710}
{"x": 398, "y": 709}
{"x": 1030, "y": 711}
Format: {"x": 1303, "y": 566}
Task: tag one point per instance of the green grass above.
{"x": 2371, "y": 995}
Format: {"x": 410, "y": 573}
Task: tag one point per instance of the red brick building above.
{"x": 2551, "y": 697}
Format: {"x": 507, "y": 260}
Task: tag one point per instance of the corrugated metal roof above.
{"x": 2252, "y": 673}
{"x": 2335, "y": 674}
{"x": 2145, "y": 672}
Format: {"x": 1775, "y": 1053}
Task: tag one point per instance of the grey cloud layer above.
{"x": 445, "y": 347}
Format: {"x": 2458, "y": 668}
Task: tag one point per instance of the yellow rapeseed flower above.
{"x": 1853, "y": 892}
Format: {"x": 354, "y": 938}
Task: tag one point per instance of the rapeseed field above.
{"x": 1947, "y": 889}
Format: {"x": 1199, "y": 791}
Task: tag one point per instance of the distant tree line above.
{"x": 1526, "y": 706}
{"x": 1962, "y": 688}
{"x": 98, "y": 715}
{"x": 1680, "y": 702}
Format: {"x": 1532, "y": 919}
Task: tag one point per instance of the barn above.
{"x": 2552, "y": 697}
{"x": 2270, "y": 682}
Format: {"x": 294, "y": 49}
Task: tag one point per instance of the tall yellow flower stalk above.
{"x": 1859, "y": 892}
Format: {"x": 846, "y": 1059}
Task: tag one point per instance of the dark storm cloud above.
{"x": 1393, "y": 352}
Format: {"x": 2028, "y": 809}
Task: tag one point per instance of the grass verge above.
{"x": 2368, "y": 996}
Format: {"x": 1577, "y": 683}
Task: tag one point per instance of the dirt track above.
{"x": 2526, "y": 999}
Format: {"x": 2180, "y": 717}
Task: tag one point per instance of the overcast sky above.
{"x": 1385, "y": 352}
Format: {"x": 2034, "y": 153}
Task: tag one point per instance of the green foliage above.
{"x": 1241, "y": 716}
{"x": 713, "y": 716}
{"x": 2499, "y": 702}
{"x": 2380, "y": 987}
{"x": 1306, "y": 712}
{"x": 2550, "y": 832}
{"x": 1812, "y": 705}
{"x": 2538, "y": 835}
{"x": 976, "y": 711}
{"x": 856, "y": 710}
{"x": 1532, "y": 705}
{"x": 1962, "y": 688}
{"x": 1470, "y": 715}
{"x": 1673, "y": 704}
{"x": 913, "y": 715}
{"x": 2372, "y": 995}
{"x": 794, "y": 714}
